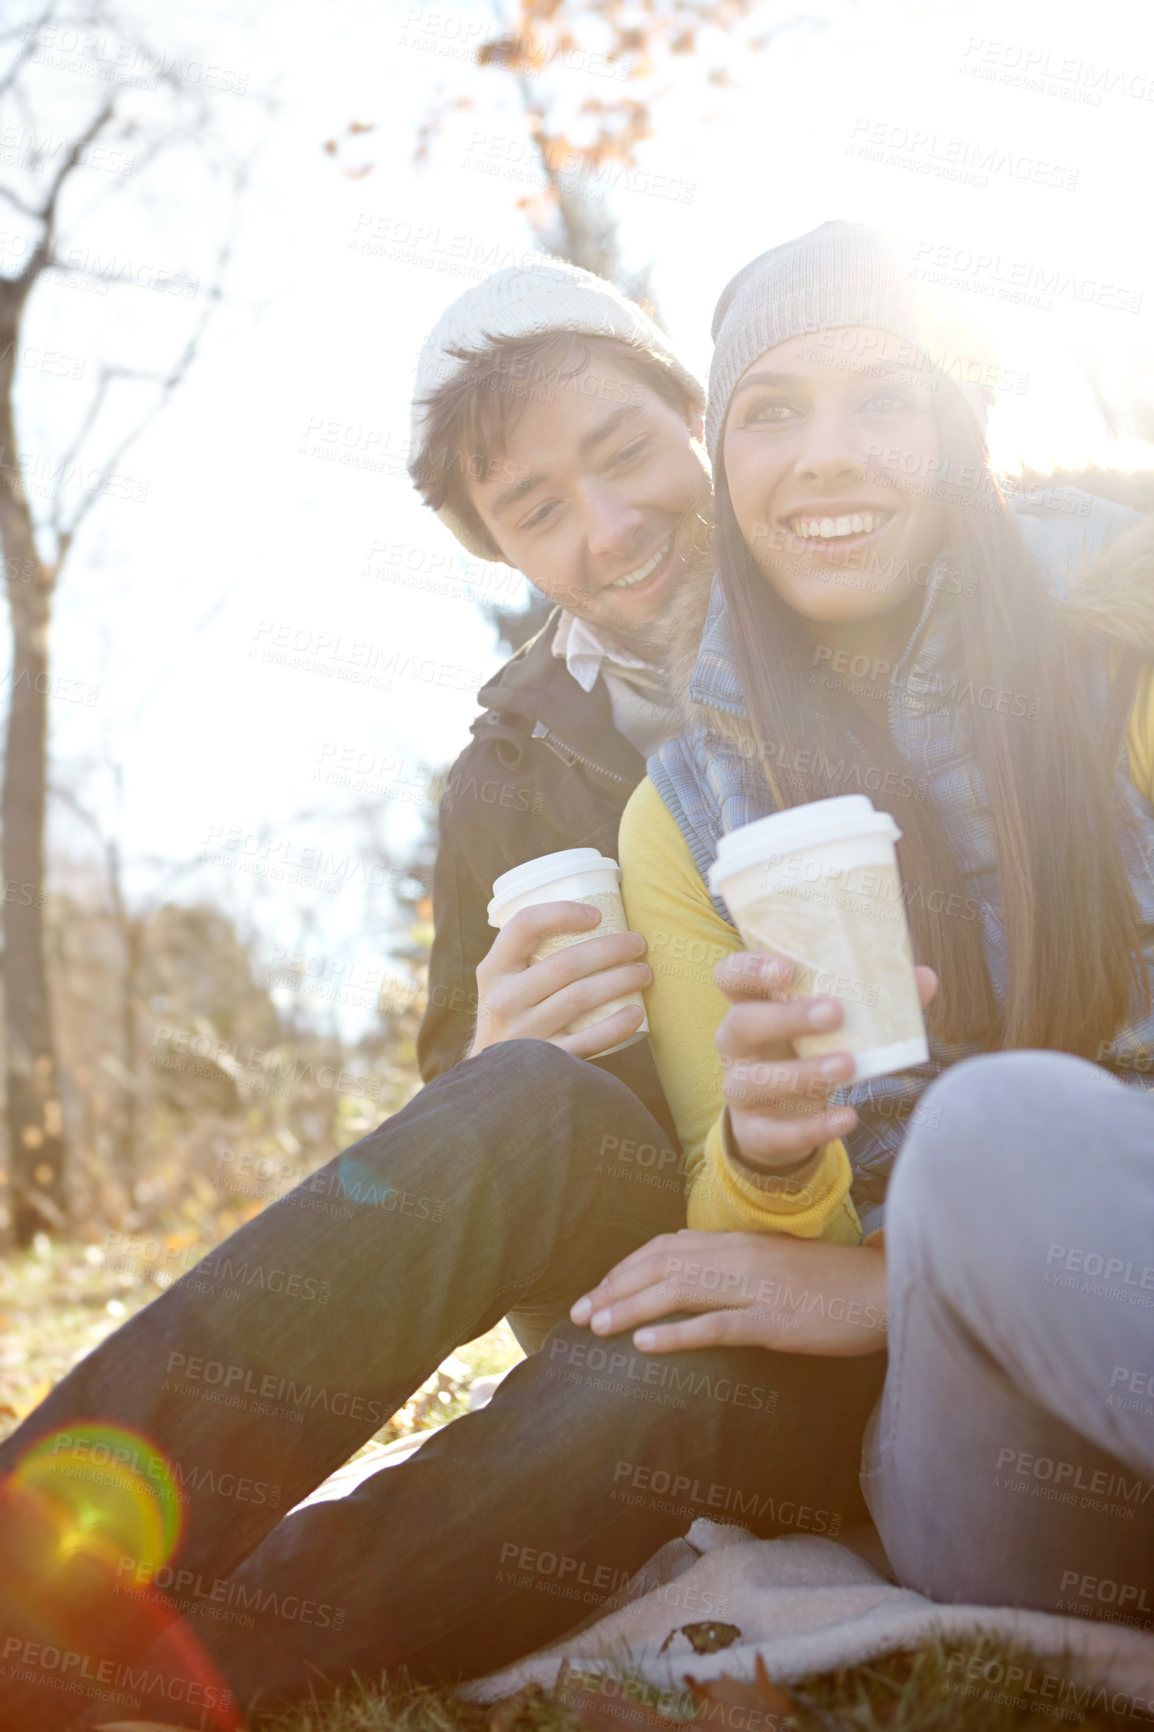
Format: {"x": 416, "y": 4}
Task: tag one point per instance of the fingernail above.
{"x": 581, "y": 1310}
{"x": 838, "y": 1065}
{"x": 646, "y": 973}
{"x": 823, "y": 1014}
{"x": 601, "y": 1320}
{"x": 842, "y": 1121}
{"x": 644, "y": 1338}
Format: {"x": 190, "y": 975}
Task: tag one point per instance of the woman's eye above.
{"x": 767, "y": 412}
{"x": 887, "y": 401}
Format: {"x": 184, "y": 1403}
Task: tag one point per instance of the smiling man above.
{"x": 555, "y": 430}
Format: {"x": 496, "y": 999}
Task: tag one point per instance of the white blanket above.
{"x": 804, "y": 1605}
{"x": 812, "y": 1605}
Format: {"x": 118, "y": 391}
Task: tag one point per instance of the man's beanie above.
{"x": 530, "y": 300}
{"x": 840, "y": 274}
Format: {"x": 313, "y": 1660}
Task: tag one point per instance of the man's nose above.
{"x": 612, "y": 524}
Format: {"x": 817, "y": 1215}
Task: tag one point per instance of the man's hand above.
{"x": 777, "y": 1101}
{"x": 519, "y": 999}
{"x": 752, "y": 1290}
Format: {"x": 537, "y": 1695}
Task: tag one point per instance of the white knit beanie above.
{"x": 529, "y": 300}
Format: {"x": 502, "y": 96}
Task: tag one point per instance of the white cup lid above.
{"x": 546, "y": 869}
{"x": 841, "y": 819}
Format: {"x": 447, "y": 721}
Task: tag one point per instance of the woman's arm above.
{"x": 1140, "y": 736}
{"x": 667, "y": 902}
{"x": 750, "y": 1290}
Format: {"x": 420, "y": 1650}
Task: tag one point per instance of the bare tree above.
{"x": 66, "y": 71}
{"x": 588, "y": 78}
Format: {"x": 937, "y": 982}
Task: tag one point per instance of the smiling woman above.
{"x": 1010, "y": 714}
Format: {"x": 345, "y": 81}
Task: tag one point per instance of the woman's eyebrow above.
{"x": 758, "y": 381}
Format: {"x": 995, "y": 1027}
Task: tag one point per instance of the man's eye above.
{"x": 631, "y": 451}
{"x": 539, "y": 518}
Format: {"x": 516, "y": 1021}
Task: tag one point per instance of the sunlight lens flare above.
{"x": 112, "y": 1494}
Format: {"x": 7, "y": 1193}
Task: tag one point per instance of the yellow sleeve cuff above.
{"x": 723, "y": 1198}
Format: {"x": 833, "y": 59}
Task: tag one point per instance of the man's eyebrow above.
{"x": 607, "y": 428}
{"x": 510, "y": 496}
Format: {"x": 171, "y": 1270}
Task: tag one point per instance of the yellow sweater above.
{"x": 666, "y": 900}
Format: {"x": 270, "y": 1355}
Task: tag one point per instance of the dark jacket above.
{"x": 546, "y": 770}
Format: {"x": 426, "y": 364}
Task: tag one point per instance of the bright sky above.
{"x": 1008, "y": 142}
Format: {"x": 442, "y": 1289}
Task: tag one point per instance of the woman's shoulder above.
{"x": 647, "y": 824}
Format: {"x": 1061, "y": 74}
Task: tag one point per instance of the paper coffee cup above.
{"x": 819, "y": 884}
{"x": 572, "y": 875}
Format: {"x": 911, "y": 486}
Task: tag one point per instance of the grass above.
{"x": 58, "y": 1301}
{"x": 981, "y": 1685}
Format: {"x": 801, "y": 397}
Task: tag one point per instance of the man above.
{"x": 555, "y": 430}
{"x": 159, "y": 1478}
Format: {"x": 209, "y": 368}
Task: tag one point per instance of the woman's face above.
{"x": 831, "y": 456}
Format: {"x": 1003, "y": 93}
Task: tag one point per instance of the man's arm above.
{"x": 461, "y": 939}
{"x": 522, "y": 998}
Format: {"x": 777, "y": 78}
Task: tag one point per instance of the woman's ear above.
{"x": 696, "y": 422}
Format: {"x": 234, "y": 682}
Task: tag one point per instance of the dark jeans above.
{"x": 510, "y": 1185}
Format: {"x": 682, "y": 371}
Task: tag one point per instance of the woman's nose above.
{"x": 831, "y": 449}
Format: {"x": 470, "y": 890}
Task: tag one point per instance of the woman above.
{"x": 1011, "y": 734}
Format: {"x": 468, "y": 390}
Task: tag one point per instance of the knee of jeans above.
{"x": 989, "y": 1133}
{"x": 536, "y": 1064}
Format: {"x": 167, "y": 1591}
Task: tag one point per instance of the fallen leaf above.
{"x": 758, "y": 1692}
{"x": 705, "y": 1638}
{"x": 605, "y": 1706}
{"x": 506, "y": 1714}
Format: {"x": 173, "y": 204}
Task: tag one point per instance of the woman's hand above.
{"x": 752, "y": 1290}
{"x": 777, "y": 1101}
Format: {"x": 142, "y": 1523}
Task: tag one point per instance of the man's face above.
{"x": 588, "y": 497}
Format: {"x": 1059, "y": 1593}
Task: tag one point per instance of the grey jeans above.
{"x": 1010, "y": 1459}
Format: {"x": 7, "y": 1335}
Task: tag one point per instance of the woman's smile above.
{"x": 830, "y": 529}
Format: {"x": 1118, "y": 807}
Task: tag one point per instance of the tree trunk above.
{"x": 36, "y": 1149}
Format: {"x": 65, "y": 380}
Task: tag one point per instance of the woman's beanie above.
{"x": 840, "y": 274}
{"x": 531, "y": 300}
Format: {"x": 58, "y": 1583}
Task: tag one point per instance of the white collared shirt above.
{"x": 579, "y": 647}
{"x": 641, "y": 709}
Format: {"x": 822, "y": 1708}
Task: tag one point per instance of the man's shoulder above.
{"x": 528, "y": 673}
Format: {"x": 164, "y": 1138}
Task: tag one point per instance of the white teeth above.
{"x": 830, "y": 528}
{"x": 643, "y": 571}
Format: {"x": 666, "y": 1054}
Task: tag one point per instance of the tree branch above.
{"x": 66, "y": 529}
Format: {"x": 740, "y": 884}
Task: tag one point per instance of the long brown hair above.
{"x": 1075, "y": 964}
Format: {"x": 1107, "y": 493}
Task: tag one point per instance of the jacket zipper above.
{"x": 570, "y": 757}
